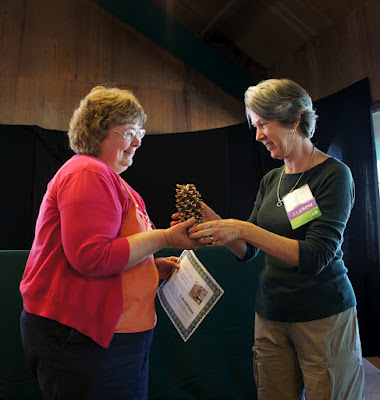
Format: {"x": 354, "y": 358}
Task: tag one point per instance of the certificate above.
{"x": 189, "y": 295}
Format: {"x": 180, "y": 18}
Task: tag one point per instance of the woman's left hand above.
{"x": 166, "y": 265}
{"x": 216, "y": 233}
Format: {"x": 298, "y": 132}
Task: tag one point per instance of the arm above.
{"x": 312, "y": 246}
{"x": 324, "y": 236}
{"x": 236, "y": 234}
{"x": 143, "y": 244}
{"x": 237, "y": 247}
{"x": 90, "y": 213}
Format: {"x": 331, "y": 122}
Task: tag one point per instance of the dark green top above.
{"x": 319, "y": 287}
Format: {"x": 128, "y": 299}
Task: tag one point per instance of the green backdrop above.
{"x": 215, "y": 362}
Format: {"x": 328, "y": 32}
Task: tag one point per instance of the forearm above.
{"x": 280, "y": 247}
{"x": 144, "y": 244}
{"x": 237, "y": 247}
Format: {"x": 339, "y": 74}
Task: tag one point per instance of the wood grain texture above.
{"x": 53, "y": 53}
{"x": 338, "y": 57}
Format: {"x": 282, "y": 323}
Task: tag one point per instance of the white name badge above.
{"x": 301, "y": 206}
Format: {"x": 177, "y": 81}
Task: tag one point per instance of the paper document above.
{"x": 189, "y": 295}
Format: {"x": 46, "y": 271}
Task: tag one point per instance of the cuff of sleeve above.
{"x": 249, "y": 254}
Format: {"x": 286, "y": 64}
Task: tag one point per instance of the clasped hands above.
{"x": 214, "y": 230}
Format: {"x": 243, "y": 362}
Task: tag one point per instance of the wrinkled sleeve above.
{"x": 324, "y": 236}
{"x": 253, "y": 251}
{"x": 90, "y": 214}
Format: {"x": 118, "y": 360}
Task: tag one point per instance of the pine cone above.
{"x": 188, "y": 203}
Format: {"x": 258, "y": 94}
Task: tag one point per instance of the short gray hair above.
{"x": 284, "y": 101}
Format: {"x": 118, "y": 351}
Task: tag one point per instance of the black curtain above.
{"x": 345, "y": 131}
{"x": 226, "y": 166}
{"x": 30, "y": 156}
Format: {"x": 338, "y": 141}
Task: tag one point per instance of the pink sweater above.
{"x": 73, "y": 271}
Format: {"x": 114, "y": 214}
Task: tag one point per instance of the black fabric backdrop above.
{"x": 226, "y": 166}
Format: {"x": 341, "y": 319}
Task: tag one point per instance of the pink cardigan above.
{"x": 73, "y": 271}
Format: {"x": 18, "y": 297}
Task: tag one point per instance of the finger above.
{"x": 174, "y": 223}
{"x": 173, "y": 261}
{"x": 175, "y": 216}
{"x": 188, "y": 223}
{"x": 200, "y": 234}
{"x": 199, "y": 227}
{"x": 205, "y": 206}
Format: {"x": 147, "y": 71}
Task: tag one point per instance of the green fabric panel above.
{"x": 16, "y": 380}
{"x": 216, "y": 361}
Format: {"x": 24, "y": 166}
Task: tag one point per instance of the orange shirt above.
{"x": 141, "y": 281}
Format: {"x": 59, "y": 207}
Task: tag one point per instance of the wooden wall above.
{"x": 341, "y": 56}
{"x": 53, "y": 52}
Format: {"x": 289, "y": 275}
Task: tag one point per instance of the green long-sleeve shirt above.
{"x": 319, "y": 287}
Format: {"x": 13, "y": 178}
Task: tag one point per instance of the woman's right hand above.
{"x": 178, "y": 237}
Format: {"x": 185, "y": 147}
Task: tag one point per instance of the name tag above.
{"x": 301, "y": 206}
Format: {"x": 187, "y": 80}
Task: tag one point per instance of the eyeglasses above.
{"x": 130, "y": 134}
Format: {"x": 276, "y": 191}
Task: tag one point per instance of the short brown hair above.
{"x": 103, "y": 106}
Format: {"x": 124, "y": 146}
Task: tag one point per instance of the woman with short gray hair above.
{"x": 284, "y": 101}
{"x": 306, "y": 328}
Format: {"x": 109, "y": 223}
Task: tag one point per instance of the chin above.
{"x": 120, "y": 168}
{"x": 276, "y": 156}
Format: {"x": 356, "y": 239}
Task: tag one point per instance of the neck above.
{"x": 300, "y": 158}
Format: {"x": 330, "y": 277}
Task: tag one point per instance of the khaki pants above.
{"x": 320, "y": 358}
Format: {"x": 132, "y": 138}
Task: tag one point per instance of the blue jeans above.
{"x": 71, "y": 366}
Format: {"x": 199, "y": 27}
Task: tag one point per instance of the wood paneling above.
{"x": 53, "y": 52}
{"x": 340, "y": 56}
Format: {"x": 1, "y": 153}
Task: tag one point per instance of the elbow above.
{"x": 96, "y": 261}
{"x": 313, "y": 263}
{"x": 91, "y": 268}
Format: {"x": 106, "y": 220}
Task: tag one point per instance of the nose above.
{"x": 259, "y": 134}
{"x": 136, "y": 142}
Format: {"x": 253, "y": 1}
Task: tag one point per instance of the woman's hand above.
{"x": 176, "y": 219}
{"x": 166, "y": 265}
{"x": 142, "y": 244}
{"x": 216, "y": 233}
{"x": 209, "y": 215}
{"x": 177, "y": 236}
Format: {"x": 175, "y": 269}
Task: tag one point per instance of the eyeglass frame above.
{"x": 130, "y": 134}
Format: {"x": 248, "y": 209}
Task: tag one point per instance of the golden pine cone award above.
{"x": 188, "y": 203}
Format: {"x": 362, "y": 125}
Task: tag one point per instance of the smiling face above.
{"x": 116, "y": 151}
{"x": 277, "y": 138}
